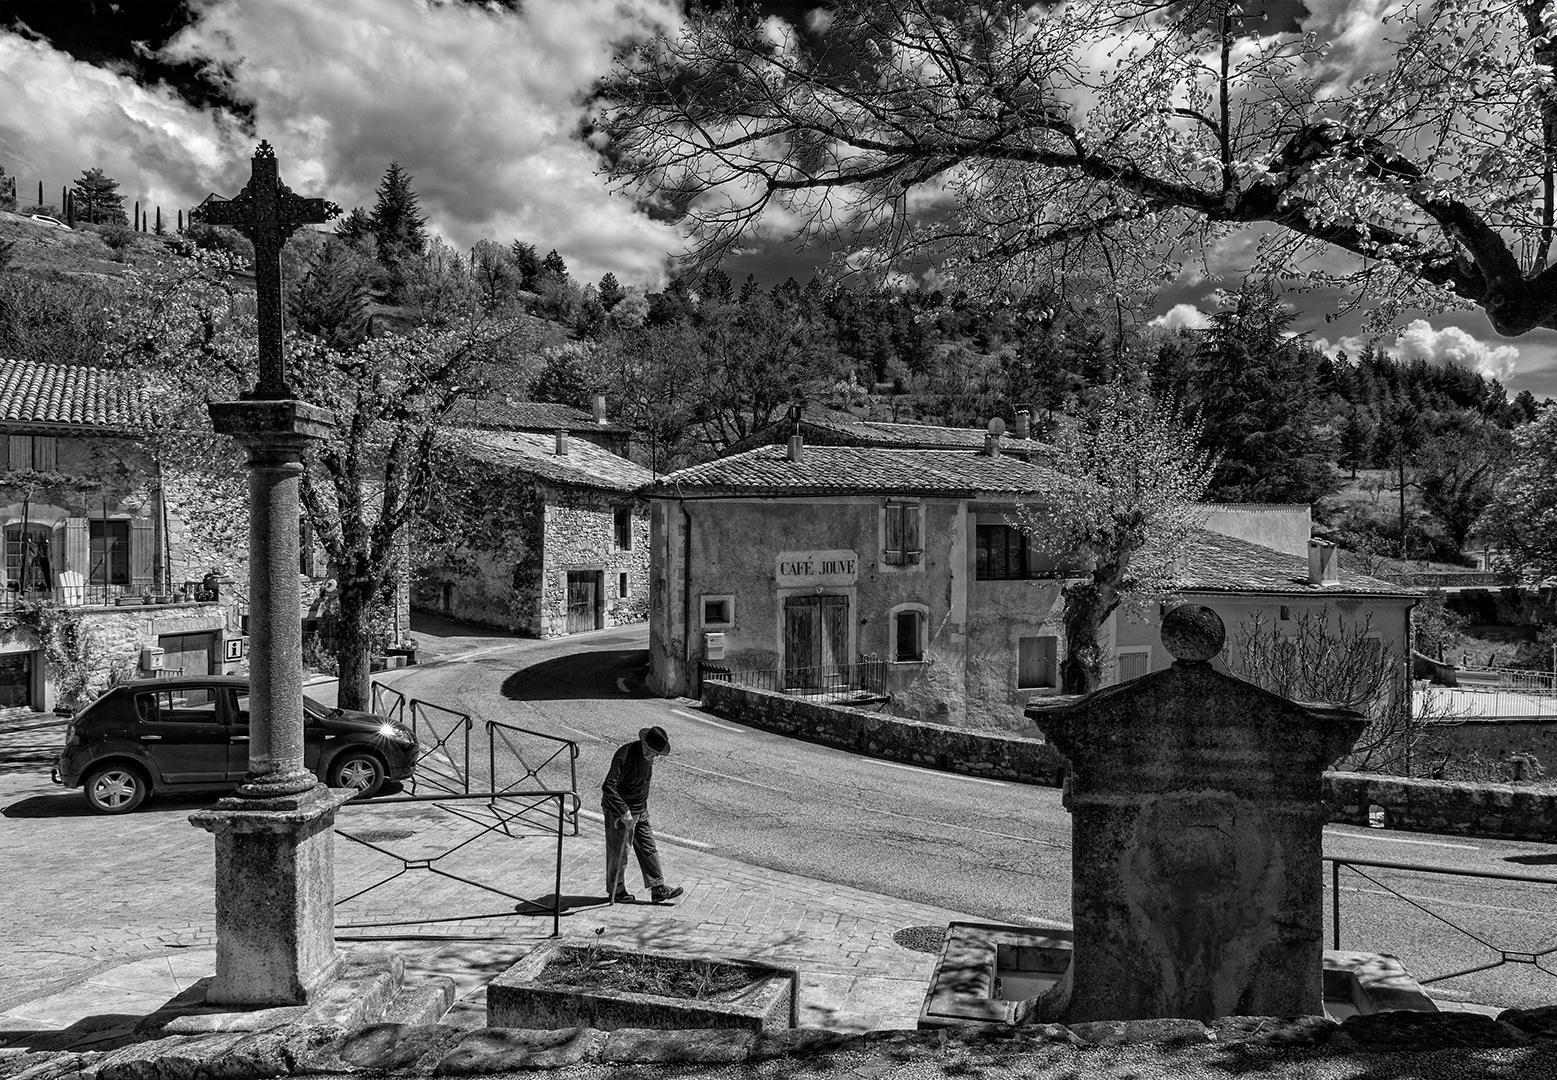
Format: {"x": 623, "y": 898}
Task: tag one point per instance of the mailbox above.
{"x": 713, "y": 646}
{"x": 151, "y": 658}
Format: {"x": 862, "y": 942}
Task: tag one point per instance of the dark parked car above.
{"x": 189, "y": 734}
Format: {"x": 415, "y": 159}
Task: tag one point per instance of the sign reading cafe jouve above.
{"x": 839, "y": 567}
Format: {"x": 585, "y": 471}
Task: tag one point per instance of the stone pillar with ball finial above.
{"x": 1197, "y": 821}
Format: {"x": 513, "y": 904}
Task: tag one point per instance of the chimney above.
{"x": 796, "y": 448}
{"x": 1023, "y": 423}
{"x": 562, "y": 441}
{"x": 597, "y": 405}
{"x": 992, "y": 444}
{"x": 1322, "y": 568}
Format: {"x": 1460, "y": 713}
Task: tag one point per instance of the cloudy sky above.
{"x": 481, "y": 104}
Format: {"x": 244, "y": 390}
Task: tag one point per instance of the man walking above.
{"x": 625, "y": 803}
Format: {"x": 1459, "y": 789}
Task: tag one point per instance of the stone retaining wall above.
{"x": 917, "y": 742}
{"x": 1500, "y": 811}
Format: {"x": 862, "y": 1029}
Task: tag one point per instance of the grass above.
{"x": 592, "y": 968}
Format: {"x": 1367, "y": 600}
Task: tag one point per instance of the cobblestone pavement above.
{"x": 87, "y": 895}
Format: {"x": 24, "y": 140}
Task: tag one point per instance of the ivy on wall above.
{"x": 80, "y": 670}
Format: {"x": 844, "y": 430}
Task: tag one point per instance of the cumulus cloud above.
{"x": 1182, "y": 317}
{"x": 1453, "y": 345}
{"x": 1350, "y": 344}
{"x": 478, "y": 103}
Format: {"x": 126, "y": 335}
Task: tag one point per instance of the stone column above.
{"x": 1196, "y": 828}
{"x": 275, "y": 879}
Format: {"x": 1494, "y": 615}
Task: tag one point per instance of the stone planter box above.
{"x": 987, "y": 971}
{"x": 516, "y": 1000}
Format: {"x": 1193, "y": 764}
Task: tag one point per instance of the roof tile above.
{"x": 584, "y": 465}
{"x": 839, "y": 470}
{"x": 39, "y": 393}
{"x": 1217, "y": 563}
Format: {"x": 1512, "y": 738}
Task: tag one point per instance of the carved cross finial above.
{"x": 267, "y": 212}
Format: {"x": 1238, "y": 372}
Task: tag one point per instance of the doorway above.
{"x": 188, "y": 654}
{"x": 816, "y": 640}
{"x": 583, "y": 600}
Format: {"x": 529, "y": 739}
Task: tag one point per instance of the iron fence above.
{"x": 1504, "y": 956}
{"x": 530, "y": 760}
{"x": 389, "y": 702}
{"x": 496, "y": 819}
{"x": 864, "y": 681}
{"x": 98, "y": 594}
{"x": 1527, "y": 682}
{"x": 439, "y": 733}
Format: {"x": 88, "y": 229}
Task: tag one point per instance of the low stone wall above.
{"x": 916, "y": 742}
{"x": 1501, "y": 811}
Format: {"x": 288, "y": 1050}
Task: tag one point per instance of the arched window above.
{"x": 29, "y": 562}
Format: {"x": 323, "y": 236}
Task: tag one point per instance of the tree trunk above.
{"x": 352, "y": 645}
{"x": 1087, "y": 608}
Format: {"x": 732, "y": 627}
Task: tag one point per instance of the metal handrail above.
{"x": 395, "y": 710}
{"x": 1505, "y": 956}
{"x": 832, "y": 682}
{"x": 428, "y": 864}
{"x": 495, "y": 727}
{"x": 462, "y": 724}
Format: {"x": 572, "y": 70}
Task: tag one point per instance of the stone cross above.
{"x": 267, "y": 213}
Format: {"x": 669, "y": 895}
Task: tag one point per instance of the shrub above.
{"x": 218, "y": 238}
{"x": 116, "y": 236}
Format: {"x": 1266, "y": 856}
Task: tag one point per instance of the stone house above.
{"x": 542, "y": 534}
{"x": 543, "y": 418}
{"x": 798, "y": 563}
{"x": 94, "y": 531}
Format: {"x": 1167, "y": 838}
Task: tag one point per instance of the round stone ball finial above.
{"x": 1193, "y": 633}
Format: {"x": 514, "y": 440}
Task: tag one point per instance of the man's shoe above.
{"x": 662, "y": 894}
{"x": 624, "y": 897}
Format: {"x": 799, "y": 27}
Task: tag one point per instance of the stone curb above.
{"x": 442, "y": 1050}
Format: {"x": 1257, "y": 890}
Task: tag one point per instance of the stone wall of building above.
{"x": 581, "y": 536}
{"x": 893, "y": 738}
{"x": 1478, "y": 749}
{"x": 1500, "y": 811}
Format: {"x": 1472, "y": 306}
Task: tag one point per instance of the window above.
{"x": 1132, "y": 663}
{"x": 36, "y": 452}
{"x": 1001, "y": 554}
{"x": 194, "y": 705}
{"x": 1037, "y": 666}
{"x": 718, "y": 610}
{"x": 902, "y": 545}
{"x": 624, "y": 528}
{"x": 108, "y": 557}
{"x": 621, "y": 586}
{"x": 908, "y": 634}
{"x": 28, "y": 564}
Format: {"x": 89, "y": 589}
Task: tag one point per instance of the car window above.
{"x": 186, "y": 705}
{"x": 312, "y": 710}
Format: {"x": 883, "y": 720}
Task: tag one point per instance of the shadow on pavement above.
{"x": 73, "y": 804}
{"x": 1533, "y": 860}
{"x": 541, "y": 905}
{"x": 591, "y": 674}
{"x": 109, "y": 1031}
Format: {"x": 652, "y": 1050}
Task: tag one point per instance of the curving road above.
{"x": 999, "y": 850}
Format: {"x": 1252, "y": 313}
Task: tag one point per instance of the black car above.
{"x": 192, "y": 733}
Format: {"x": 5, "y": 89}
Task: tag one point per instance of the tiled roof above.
{"x": 539, "y": 416}
{"x": 72, "y": 394}
{"x": 844, "y": 470}
{"x": 1216, "y": 563}
{"x": 833, "y": 428}
{"x": 584, "y": 465}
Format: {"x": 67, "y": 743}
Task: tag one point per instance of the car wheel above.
{"x": 360, "y": 770}
{"x": 116, "y": 789}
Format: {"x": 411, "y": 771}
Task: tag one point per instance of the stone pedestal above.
{"x": 1197, "y": 819}
{"x": 275, "y": 896}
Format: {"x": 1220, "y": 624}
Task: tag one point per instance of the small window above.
{"x": 718, "y": 610}
{"x": 624, "y": 528}
{"x": 108, "y": 552}
{"x": 1037, "y": 663}
{"x": 1001, "y": 553}
{"x": 1133, "y": 663}
{"x": 621, "y": 586}
{"x": 902, "y": 545}
{"x": 910, "y": 629}
{"x": 29, "y": 566}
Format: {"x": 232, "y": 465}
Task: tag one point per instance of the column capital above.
{"x": 286, "y": 424}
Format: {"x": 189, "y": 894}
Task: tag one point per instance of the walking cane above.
{"x": 619, "y": 882}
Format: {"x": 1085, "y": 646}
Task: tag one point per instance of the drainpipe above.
{"x": 686, "y": 590}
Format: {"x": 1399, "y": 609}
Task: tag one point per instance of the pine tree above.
{"x": 528, "y": 260}
{"x": 354, "y": 226}
{"x": 749, "y": 288}
{"x": 331, "y": 301}
{"x": 611, "y": 293}
{"x": 554, "y": 266}
{"x": 98, "y": 200}
{"x": 1357, "y": 439}
{"x": 397, "y": 225}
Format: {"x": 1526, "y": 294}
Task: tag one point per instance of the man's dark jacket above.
{"x": 626, "y": 786}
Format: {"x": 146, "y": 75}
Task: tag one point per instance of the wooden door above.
{"x": 187, "y": 654}
{"x": 816, "y": 640}
{"x": 583, "y": 600}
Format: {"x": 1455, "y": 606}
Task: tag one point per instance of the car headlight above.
{"x": 397, "y": 734}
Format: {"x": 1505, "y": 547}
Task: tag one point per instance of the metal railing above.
{"x": 498, "y": 821}
{"x": 98, "y": 594}
{"x": 864, "y": 681}
{"x": 1505, "y": 956}
{"x": 436, "y": 728}
{"x": 1527, "y": 682}
{"x": 531, "y": 762}
{"x": 1456, "y": 703}
{"x": 389, "y": 702}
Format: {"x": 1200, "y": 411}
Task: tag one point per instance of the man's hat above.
{"x": 655, "y": 739}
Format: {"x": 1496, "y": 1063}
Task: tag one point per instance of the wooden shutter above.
{"x": 78, "y": 548}
{"x": 143, "y": 554}
{"x": 20, "y": 447}
{"x": 1036, "y": 662}
{"x": 894, "y": 545}
{"x": 5, "y": 455}
{"x": 913, "y": 547}
{"x": 43, "y": 452}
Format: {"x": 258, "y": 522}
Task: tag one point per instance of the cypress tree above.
{"x": 158, "y": 228}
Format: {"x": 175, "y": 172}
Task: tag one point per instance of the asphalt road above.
{"x": 997, "y": 850}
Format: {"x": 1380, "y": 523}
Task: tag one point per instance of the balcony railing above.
{"x": 864, "y": 681}
{"x": 98, "y": 594}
